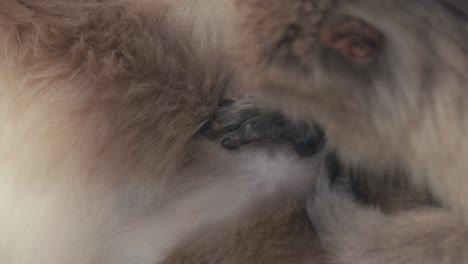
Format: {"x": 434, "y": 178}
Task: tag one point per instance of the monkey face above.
{"x": 370, "y": 72}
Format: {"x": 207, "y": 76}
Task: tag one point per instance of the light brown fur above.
{"x": 100, "y": 103}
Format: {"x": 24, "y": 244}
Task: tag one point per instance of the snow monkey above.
{"x": 387, "y": 82}
{"x": 101, "y": 104}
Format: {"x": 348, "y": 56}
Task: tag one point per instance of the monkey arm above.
{"x": 354, "y": 233}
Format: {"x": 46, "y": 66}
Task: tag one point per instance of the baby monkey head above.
{"x": 392, "y": 71}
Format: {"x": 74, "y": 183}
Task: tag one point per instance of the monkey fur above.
{"x": 102, "y": 162}
{"x": 387, "y": 82}
{"x": 101, "y": 104}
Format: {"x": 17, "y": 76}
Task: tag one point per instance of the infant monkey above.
{"x": 387, "y": 82}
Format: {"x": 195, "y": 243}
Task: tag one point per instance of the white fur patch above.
{"x": 249, "y": 175}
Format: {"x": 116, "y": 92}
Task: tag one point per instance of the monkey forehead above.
{"x": 278, "y": 29}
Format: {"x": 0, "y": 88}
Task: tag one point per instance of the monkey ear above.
{"x": 353, "y": 38}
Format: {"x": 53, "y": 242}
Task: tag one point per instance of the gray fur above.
{"x": 400, "y": 109}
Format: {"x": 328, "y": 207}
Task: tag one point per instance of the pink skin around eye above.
{"x": 354, "y": 49}
{"x": 354, "y": 39}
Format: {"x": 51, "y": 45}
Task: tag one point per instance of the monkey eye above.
{"x": 354, "y": 39}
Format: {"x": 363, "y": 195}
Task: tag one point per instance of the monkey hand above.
{"x": 242, "y": 121}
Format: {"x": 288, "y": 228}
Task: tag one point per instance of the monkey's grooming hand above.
{"x": 241, "y": 121}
